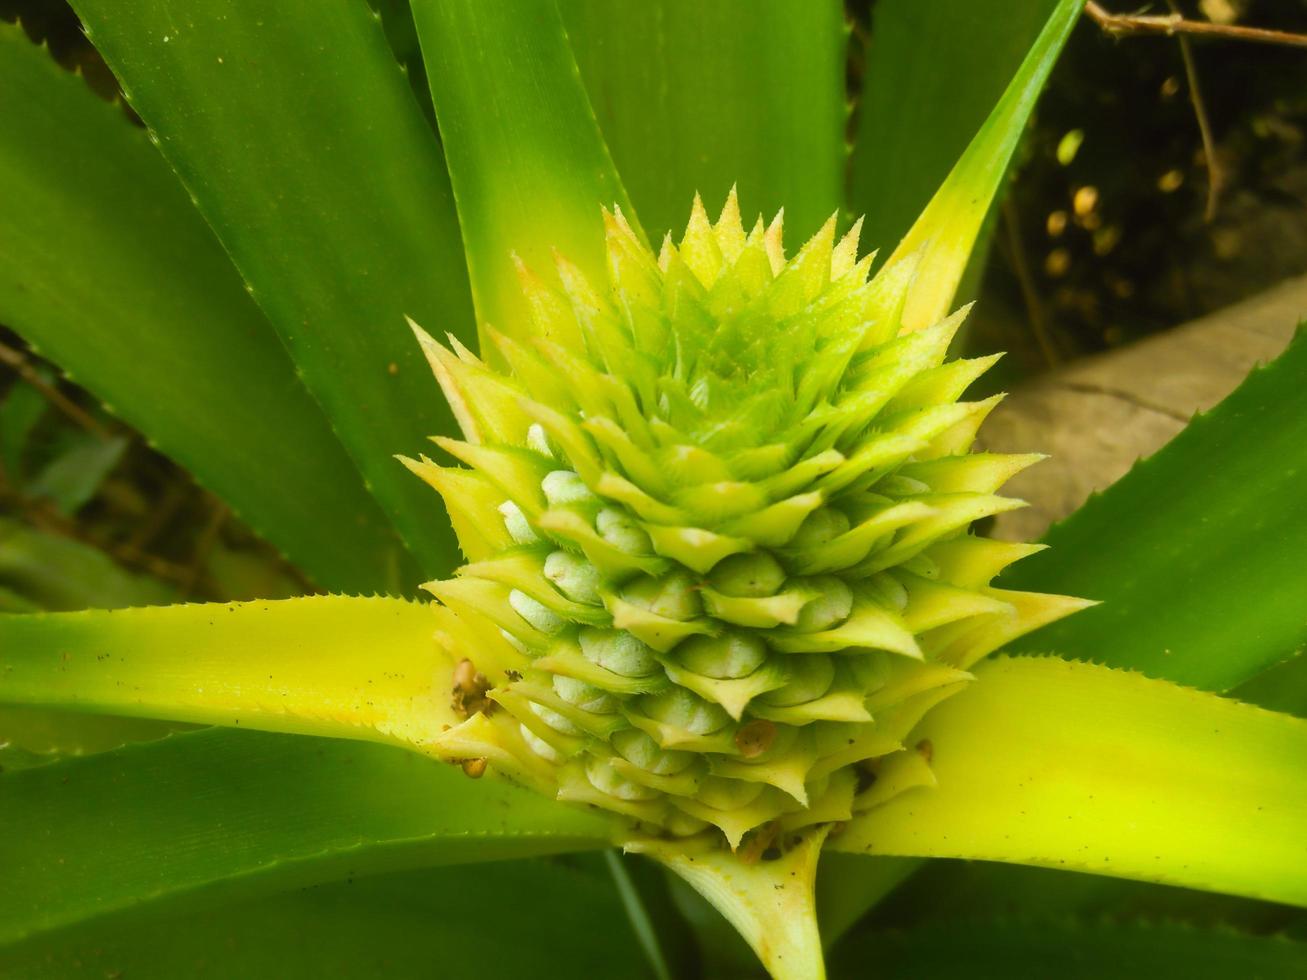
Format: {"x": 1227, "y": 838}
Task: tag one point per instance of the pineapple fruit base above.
{"x": 716, "y": 513}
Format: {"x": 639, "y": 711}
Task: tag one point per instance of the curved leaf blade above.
{"x": 107, "y": 269}
{"x": 985, "y": 949}
{"x": 696, "y": 98}
{"x": 53, "y": 572}
{"x": 1197, "y": 553}
{"x": 366, "y": 668}
{"x": 301, "y": 142}
{"x": 218, "y": 815}
{"x": 1070, "y": 765}
{"x": 441, "y": 921}
{"x": 529, "y": 167}
{"x": 1170, "y": 567}
{"x": 1282, "y": 688}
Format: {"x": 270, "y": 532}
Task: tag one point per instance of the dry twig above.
{"x": 1215, "y": 176}
{"x": 21, "y": 366}
{"x": 1029, "y": 292}
{"x": 1169, "y": 25}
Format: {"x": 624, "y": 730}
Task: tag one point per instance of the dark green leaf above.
{"x": 106, "y": 267}
{"x": 850, "y": 884}
{"x": 402, "y": 35}
{"x": 302, "y": 144}
{"x": 35, "y": 736}
{"x": 959, "y": 890}
{"x": 663, "y": 934}
{"x": 1000, "y": 950}
{"x": 14, "y": 602}
{"x": 21, "y": 410}
{"x": 695, "y": 97}
{"x": 513, "y": 920}
{"x": 1197, "y": 553}
{"x": 1281, "y": 688}
{"x": 225, "y": 813}
{"x": 58, "y": 573}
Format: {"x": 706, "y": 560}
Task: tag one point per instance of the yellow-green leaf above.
{"x": 365, "y": 668}
{"x": 1076, "y": 766}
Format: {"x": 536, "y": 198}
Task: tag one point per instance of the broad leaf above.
{"x": 1282, "y": 688}
{"x": 59, "y": 573}
{"x": 498, "y": 922}
{"x": 402, "y": 35}
{"x": 318, "y": 665}
{"x": 698, "y": 97}
{"x": 946, "y": 231}
{"x": 663, "y": 934}
{"x": 107, "y": 269}
{"x": 954, "y": 890}
{"x": 1069, "y": 765}
{"x": 985, "y": 949}
{"x": 1197, "y": 553}
{"x": 39, "y": 736}
{"x": 306, "y": 151}
{"x": 850, "y": 884}
{"x": 530, "y": 169}
{"x": 220, "y": 814}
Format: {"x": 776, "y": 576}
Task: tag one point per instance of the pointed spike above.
{"x": 729, "y": 229}
{"x": 888, "y": 294}
{"x": 551, "y": 315}
{"x": 666, "y": 253}
{"x": 805, "y": 276}
{"x": 699, "y": 248}
{"x": 773, "y": 240}
{"x": 622, "y": 223}
{"x": 844, "y": 259}
{"x": 471, "y": 503}
{"x": 575, "y": 283}
{"x": 443, "y": 366}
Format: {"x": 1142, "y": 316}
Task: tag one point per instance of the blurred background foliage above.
{"x": 1105, "y": 236}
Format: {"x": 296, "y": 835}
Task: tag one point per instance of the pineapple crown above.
{"x": 716, "y": 518}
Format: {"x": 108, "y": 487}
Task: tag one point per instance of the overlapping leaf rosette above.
{"x": 716, "y": 513}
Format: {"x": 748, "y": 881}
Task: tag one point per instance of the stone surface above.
{"x": 1097, "y": 416}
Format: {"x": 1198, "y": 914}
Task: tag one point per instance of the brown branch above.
{"x": 1029, "y": 292}
{"x": 17, "y": 360}
{"x": 1215, "y": 177}
{"x": 45, "y": 517}
{"x": 1169, "y": 25}
{"x": 204, "y": 544}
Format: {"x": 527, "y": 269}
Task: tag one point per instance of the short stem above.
{"x": 771, "y": 903}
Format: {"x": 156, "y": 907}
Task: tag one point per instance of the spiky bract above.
{"x": 716, "y": 520}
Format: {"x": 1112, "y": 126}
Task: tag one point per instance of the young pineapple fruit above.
{"x": 716, "y": 513}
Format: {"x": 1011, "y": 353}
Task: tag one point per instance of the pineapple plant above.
{"x": 713, "y": 519}
{"x": 705, "y": 586}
